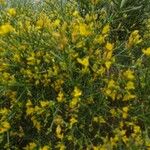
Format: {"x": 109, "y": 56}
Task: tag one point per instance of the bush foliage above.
{"x": 74, "y": 75}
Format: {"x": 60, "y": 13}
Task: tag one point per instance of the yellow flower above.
{"x": 77, "y": 92}
{"x": 36, "y": 123}
{"x": 4, "y": 111}
{"x": 75, "y": 13}
{"x": 58, "y": 120}
{"x": 146, "y": 51}
{"x": 106, "y": 29}
{"x": 101, "y": 71}
{"x": 129, "y": 74}
{"x": 113, "y": 112}
{"x": 60, "y": 97}
{"x": 44, "y": 103}
{"x": 28, "y": 25}
{"x": 17, "y": 57}
{"x": 40, "y": 23}
{"x": 99, "y": 39}
{"x": 30, "y": 146}
{"x": 60, "y": 146}
{"x": 124, "y": 115}
{"x": 125, "y": 139}
{"x": 31, "y": 59}
{"x": 125, "y": 112}
{"x": 83, "y": 29}
{"x": 95, "y": 148}
{"x": 58, "y": 132}
{"x": 136, "y": 129}
{"x": 130, "y": 85}
{"x": 11, "y": 12}
{"x": 95, "y": 119}
{"x": 73, "y": 120}
{"x": 44, "y": 21}
{"x": 44, "y": 148}
{"x": 37, "y": 109}
{"x": 80, "y": 44}
{"x": 134, "y": 39}
{"x": 6, "y": 28}
{"x": 113, "y": 95}
{"x": 101, "y": 119}
{"x": 56, "y": 23}
{"x": 129, "y": 96}
{"x": 125, "y": 109}
{"x": 4, "y": 127}
{"x": 29, "y": 103}
{"x": 108, "y": 64}
{"x": 73, "y": 102}
{"x": 108, "y": 92}
{"x": 109, "y": 46}
{"x": 116, "y": 138}
{"x": 29, "y": 111}
{"x": 111, "y": 84}
{"x": 84, "y": 61}
{"x": 107, "y": 55}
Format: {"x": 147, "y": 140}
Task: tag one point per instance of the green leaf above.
{"x": 123, "y": 2}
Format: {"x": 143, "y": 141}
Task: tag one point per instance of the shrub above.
{"x": 68, "y": 83}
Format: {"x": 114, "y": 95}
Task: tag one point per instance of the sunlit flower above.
{"x": 44, "y": 103}
{"x": 129, "y": 96}
{"x": 134, "y": 39}
{"x": 84, "y": 29}
{"x": 84, "y": 61}
{"x": 60, "y": 97}
{"x": 45, "y": 148}
{"x": 109, "y": 46}
{"x": 30, "y": 146}
{"x": 129, "y": 74}
{"x": 106, "y": 29}
{"x": 11, "y": 12}
{"x": 6, "y": 28}
{"x": 146, "y": 51}
{"x": 108, "y": 64}
{"x": 5, "y": 126}
{"x": 73, "y": 102}
{"x": 59, "y": 133}
{"x": 77, "y": 92}
{"x": 130, "y": 85}
{"x": 73, "y": 120}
